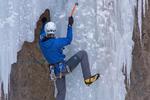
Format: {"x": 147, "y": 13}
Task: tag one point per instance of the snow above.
{"x": 103, "y": 28}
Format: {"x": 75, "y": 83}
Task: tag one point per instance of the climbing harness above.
{"x": 52, "y": 73}
{"x": 58, "y": 70}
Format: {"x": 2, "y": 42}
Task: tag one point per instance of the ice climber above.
{"x": 52, "y": 49}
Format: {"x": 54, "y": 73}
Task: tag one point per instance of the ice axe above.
{"x": 74, "y": 8}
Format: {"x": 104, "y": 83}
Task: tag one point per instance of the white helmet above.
{"x": 50, "y": 28}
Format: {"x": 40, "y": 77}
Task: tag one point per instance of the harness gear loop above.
{"x": 52, "y": 72}
{"x": 58, "y": 70}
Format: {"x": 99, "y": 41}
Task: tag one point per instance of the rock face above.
{"x": 140, "y": 74}
{"x": 29, "y": 78}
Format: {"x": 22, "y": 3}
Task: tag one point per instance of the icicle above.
{"x": 140, "y": 18}
{"x": 147, "y": 4}
{"x": 144, "y": 7}
{"x": 141, "y": 12}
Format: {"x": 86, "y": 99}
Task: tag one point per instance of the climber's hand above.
{"x": 70, "y": 21}
{"x": 44, "y": 20}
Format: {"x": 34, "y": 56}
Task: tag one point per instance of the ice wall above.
{"x": 102, "y": 27}
{"x": 17, "y": 22}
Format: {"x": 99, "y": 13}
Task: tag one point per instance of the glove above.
{"x": 44, "y": 20}
{"x": 70, "y": 21}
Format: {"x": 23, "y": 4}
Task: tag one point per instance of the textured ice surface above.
{"x": 17, "y": 22}
{"x": 106, "y": 34}
{"x": 102, "y": 27}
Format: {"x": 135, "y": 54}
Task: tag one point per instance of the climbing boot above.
{"x": 92, "y": 79}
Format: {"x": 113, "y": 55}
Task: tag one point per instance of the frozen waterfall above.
{"x": 102, "y": 27}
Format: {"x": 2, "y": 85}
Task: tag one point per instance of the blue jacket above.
{"x": 52, "y": 49}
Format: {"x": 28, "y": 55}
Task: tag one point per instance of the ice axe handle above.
{"x": 73, "y": 10}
